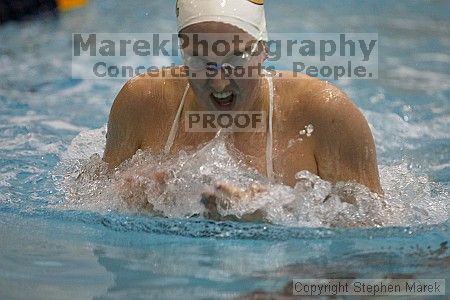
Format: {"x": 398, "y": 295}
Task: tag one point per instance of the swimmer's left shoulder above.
{"x": 300, "y": 92}
{"x": 331, "y": 106}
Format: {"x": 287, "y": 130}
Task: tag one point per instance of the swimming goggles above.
{"x": 199, "y": 63}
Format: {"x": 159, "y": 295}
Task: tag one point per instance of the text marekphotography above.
{"x": 330, "y": 56}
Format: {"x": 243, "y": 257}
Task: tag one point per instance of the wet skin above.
{"x": 341, "y": 147}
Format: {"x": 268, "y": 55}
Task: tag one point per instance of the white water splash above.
{"x": 173, "y": 188}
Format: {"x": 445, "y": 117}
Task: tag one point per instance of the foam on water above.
{"x": 173, "y": 187}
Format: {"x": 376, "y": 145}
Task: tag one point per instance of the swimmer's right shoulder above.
{"x": 155, "y": 92}
{"x": 146, "y": 102}
{"x": 141, "y": 111}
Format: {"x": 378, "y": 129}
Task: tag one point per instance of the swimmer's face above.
{"x": 225, "y": 80}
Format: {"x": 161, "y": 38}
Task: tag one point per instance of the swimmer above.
{"x": 311, "y": 124}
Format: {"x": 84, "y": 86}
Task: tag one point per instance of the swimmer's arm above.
{"x": 123, "y": 135}
{"x": 344, "y": 146}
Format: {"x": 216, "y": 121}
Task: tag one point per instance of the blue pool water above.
{"x": 48, "y": 251}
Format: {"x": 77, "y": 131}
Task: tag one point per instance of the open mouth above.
{"x": 223, "y": 101}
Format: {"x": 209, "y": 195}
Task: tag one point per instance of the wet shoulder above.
{"x": 303, "y": 95}
{"x": 155, "y": 92}
{"x": 145, "y": 105}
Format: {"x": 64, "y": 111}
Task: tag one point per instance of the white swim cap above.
{"x": 247, "y": 15}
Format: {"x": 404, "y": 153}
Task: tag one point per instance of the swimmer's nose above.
{"x": 218, "y": 84}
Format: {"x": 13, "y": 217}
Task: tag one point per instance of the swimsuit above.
{"x": 269, "y": 144}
